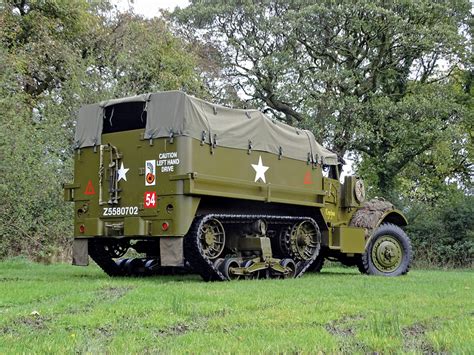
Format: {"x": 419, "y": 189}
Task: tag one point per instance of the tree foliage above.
{"x": 364, "y": 76}
{"x": 443, "y": 234}
{"x": 54, "y": 57}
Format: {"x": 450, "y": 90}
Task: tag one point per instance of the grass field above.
{"x": 64, "y": 309}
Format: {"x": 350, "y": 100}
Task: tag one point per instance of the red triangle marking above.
{"x": 307, "y": 178}
{"x": 89, "y": 189}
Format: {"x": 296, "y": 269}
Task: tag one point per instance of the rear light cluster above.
{"x": 82, "y": 228}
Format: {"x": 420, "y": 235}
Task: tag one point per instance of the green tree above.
{"x": 448, "y": 162}
{"x": 365, "y": 76}
{"x": 54, "y": 57}
{"x": 39, "y": 50}
{"x": 443, "y": 235}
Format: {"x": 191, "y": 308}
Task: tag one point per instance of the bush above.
{"x": 443, "y": 235}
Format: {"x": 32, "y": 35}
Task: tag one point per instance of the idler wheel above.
{"x": 121, "y": 263}
{"x": 218, "y": 262}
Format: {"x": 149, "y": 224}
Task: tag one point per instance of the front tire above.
{"x": 388, "y": 252}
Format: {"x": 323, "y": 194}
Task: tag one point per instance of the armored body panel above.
{"x": 228, "y": 193}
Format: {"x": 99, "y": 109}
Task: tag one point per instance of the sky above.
{"x": 149, "y": 8}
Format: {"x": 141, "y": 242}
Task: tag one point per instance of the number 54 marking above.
{"x": 150, "y": 199}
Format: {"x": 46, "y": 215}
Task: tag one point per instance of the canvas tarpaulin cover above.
{"x": 174, "y": 113}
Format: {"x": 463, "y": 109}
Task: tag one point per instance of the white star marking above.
{"x": 260, "y": 170}
{"x": 122, "y": 173}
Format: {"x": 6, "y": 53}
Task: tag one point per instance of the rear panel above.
{"x": 120, "y": 189}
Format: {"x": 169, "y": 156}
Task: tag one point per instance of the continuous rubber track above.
{"x": 103, "y": 259}
{"x": 194, "y": 254}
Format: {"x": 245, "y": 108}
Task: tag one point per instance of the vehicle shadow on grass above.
{"x": 195, "y": 278}
{"x": 151, "y": 278}
{"x": 337, "y": 272}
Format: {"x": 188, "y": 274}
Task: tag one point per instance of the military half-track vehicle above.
{"x": 175, "y": 181}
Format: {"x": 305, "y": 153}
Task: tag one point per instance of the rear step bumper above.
{"x": 171, "y": 251}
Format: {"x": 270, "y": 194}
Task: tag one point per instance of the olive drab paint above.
{"x": 194, "y": 185}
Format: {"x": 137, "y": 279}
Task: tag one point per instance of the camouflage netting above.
{"x": 369, "y": 215}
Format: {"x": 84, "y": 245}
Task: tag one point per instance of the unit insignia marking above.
{"x": 260, "y": 170}
{"x": 150, "y": 171}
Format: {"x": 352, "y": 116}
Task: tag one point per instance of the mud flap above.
{"x": 171, "y": 251}
{"x": 80, "y": 252}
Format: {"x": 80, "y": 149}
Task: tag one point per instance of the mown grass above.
{"x": 64, "y": 309}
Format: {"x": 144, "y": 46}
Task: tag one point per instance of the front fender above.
{"x": 394, "y": 216}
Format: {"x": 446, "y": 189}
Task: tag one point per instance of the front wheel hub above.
{"x": 387, "y": 254}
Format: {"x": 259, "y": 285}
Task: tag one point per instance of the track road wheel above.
{"x": 135, "y": 267}
{"x": 290, "y": 266}
{"x": 264, "y": 274}
{"x": 218, "y": 262}
{"x": 246, "y": 264}
{"x": 388, "y": 252}
{"x": 152, "y": 265}
{"x": 227, "y": 269}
